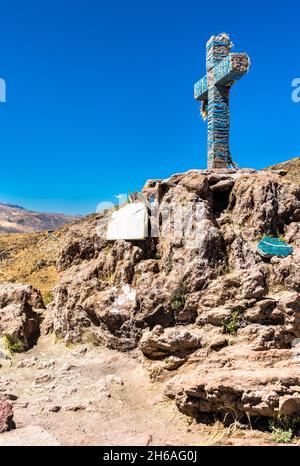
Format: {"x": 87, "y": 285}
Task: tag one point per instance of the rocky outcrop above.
{"x": 257, "y": 373}
{"x": 20, "y": 315}
{"x": 199, "y": 291}
{"x": 260, "y": 391}
{"x": 265, "y": 203}
{"x": 113, "y": 290}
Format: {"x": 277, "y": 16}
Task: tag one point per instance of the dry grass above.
{"x": 30, "y": 258}
{"x": 292, "y": 167}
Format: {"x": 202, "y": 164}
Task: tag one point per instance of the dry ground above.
{"x": 100, "y": 397}
{"x": 30, "y": 259}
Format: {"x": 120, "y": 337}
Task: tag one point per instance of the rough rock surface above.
{"x": 159, "y": 343}
{"x": 6, "y": 416}
{"x": 29, "y": 436}
{"x": 18, "y": 317}
{"x": 209, "y": 277}
{"x": 255, "y": 386}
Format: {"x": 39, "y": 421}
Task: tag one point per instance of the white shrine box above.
{"x": 129, "y": 223}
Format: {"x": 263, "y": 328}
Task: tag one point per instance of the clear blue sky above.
{"x": 100, "y": 93}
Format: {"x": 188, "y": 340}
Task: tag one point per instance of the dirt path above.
{"x": 97, "y": 397}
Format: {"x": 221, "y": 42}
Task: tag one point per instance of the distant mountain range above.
{"x": 16, "y": 219}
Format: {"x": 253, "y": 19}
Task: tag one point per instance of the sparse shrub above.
{"x": 157, "y": 373}
{"x": 47, "y": 298}
{"x": 107, "y": 250}
{"x": 40, "y": 264}
{"x": 12, "y": 343}
{"x": 232, "y": 323}
{"x": 178, "y": 299}
{"x": 177, "y": 304}
{"x": 157, "y": 255}
{"x": 280, "y": 435}
{"x": 183, "y": 202}
{"x": 283, "y": 428}
{"x": 105, "y": 277}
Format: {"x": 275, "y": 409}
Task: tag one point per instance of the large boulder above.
{"x": 20, "y": 315}
{"x": 160, "y": 343}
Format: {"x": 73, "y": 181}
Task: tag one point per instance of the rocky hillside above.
{"x": 15, "y": 219}
{"x": 216, "y": 325}
{"x": 219, "y": 314}
{"x": 292, "y": 167}
{"x": 30, "y": 258}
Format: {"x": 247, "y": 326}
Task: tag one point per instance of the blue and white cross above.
{"x": 222, "y": 70}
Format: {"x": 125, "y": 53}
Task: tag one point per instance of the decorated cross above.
{"x": 222, "y": 70}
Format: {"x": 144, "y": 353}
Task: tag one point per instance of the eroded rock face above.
{"x": 205, "y": 296}
{"x": 19, "y": 320}
{"x": 110, "y": 291}
{"x": 178, "y": 278}
{"x": 257, "y": 373}
{"x": 261, "y": 392}
{"x": 265, "y": 203}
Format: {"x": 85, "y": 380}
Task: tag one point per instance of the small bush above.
{"x": 280, "y": 435}
{"x": 283, "y": 428}
{"x": 13, "y": 344}
{"x": 232, "y": 323}
{"x": 178, "y": 299}
{"x": 47, "y": 298}
{"x": 177, "y": 305}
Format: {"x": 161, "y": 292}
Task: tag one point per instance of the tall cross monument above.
{"x": 223, "y": 69}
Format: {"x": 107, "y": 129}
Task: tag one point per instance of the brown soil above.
{"x": 103, "y": 397}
